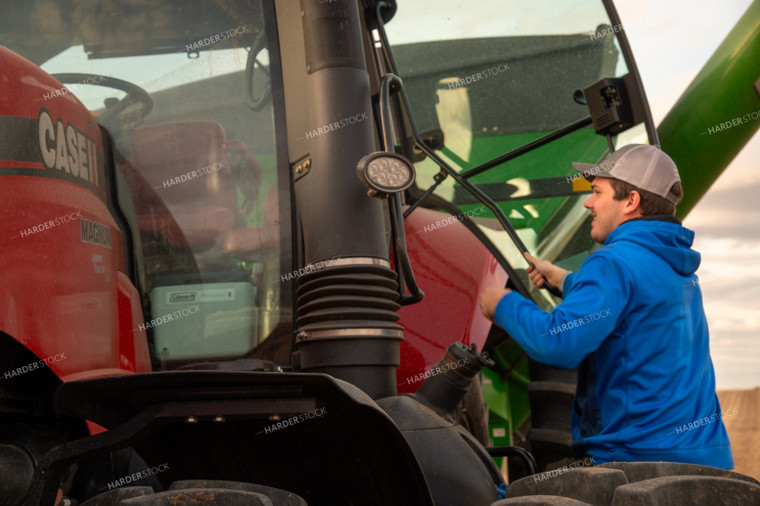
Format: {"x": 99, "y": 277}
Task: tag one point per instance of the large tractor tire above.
{"x": 195, "y": 492}
{"x": 540, "y": 500}
{"x": 635, "y": 484}
{"x": 550, "y": 394}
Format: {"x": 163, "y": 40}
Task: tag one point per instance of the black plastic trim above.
{"x": 112, "y": 202}
{"x": 633, "y": 70}
{"x": 285, "y": 194}
{"x": 227, "y": 438}
{"x": 542, "y": 141}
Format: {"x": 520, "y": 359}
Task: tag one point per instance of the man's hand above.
{"x": 544, "y": 271}
{"x": 490, "y": 298}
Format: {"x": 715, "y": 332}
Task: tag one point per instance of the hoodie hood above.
{"x": 667, "y": 239}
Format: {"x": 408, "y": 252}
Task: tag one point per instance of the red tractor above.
{"x": 243, "y": 244}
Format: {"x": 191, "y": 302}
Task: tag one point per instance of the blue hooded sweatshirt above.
{"x": 632, "y": 322}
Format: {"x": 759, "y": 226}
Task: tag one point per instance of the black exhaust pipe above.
{"x": 346, "y": 316}
{"x": 347, "y": 301}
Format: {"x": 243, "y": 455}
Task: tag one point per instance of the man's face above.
{"x": 606, "y": 211}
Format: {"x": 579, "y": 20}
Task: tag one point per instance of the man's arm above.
{"x": 563, "y": 338}
{"x": 538, "y": 271}
{"x": 490, "y": 298}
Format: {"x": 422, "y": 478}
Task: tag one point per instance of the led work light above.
{"x": 385, "y": 173}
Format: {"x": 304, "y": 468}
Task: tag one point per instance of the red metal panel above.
{"x": 63, "y": 290}
{"x": 134, "y": 354}
{"x": 453, "y": 268}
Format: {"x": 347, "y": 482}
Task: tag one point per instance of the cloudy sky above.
{"x": 671, "y": 42}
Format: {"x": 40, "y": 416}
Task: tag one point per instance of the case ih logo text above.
{"x": 67, "y": 149}
{"x": 96, "y": 233}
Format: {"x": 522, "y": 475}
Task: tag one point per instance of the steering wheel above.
{"x": 114, "y": 107}
{"x": 253, "y": 102}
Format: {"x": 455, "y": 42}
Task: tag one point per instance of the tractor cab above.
{"x": 258, "y": 231}
{"x": 191, "y": 99}
{"x": 183, "y": 95}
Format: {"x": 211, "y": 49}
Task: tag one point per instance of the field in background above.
{"x": 743, "y": 428}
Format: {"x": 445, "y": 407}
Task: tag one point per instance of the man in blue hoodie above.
{"x": 631, "y": 321}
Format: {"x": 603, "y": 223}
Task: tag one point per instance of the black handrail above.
{"x": 514, "y": 451}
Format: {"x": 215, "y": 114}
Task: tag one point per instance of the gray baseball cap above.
{"x": 644, "y": 166}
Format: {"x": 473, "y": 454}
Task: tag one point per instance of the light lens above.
{"x": 386, "y": 172}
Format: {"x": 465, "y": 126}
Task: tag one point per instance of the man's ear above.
{"x": 632, "y": 206}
